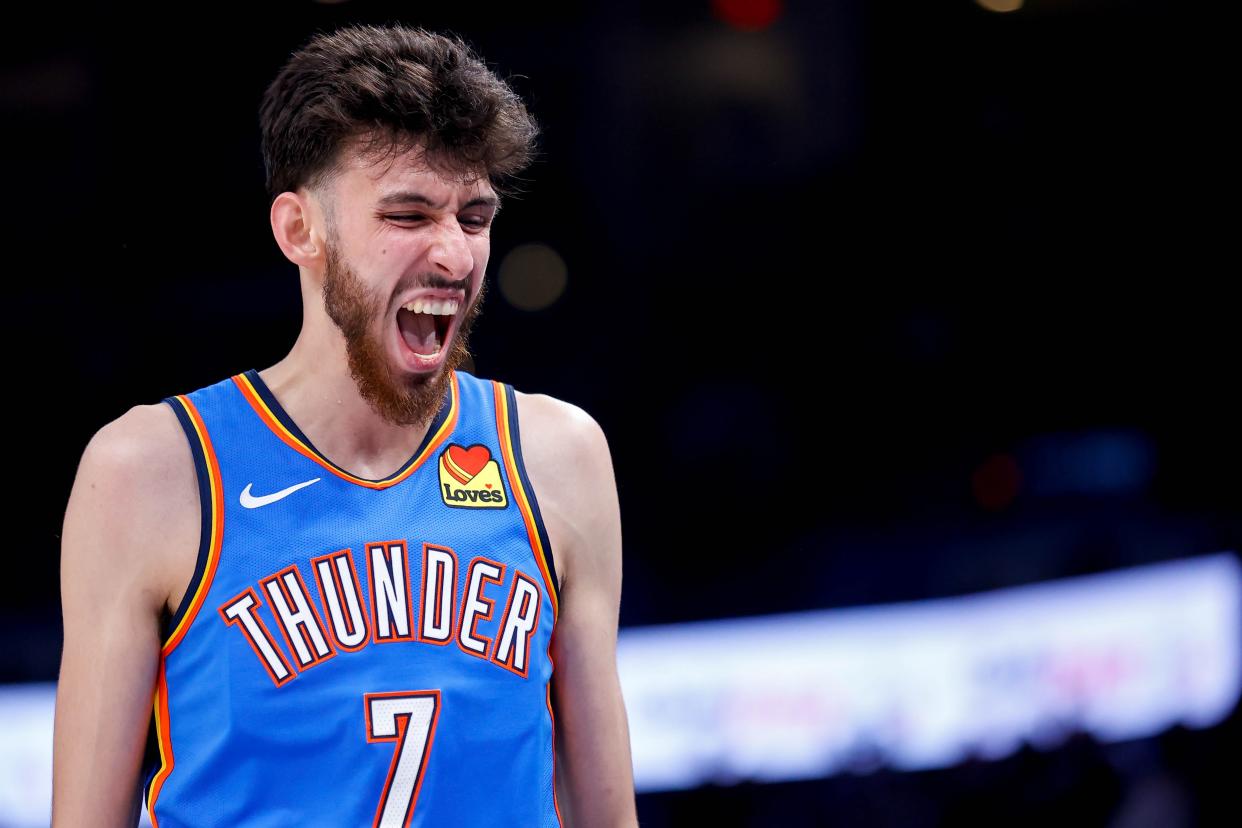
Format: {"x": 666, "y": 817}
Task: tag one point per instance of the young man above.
{"x": 325, "y": 593}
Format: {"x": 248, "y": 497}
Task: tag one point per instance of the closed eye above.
{"x": 469, "y": 221}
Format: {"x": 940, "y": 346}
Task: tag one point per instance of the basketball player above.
{"x": 352, "y": 588}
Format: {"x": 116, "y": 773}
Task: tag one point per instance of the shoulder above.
{"x": 143, "y": 448}
{"x": 542, "y": 414}
{"x": 134, "y": 501}
{"x": 561, "y": 435}
{"x": 567, "y": 458}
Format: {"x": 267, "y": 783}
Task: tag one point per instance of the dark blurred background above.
{"x": 875, "y": 302}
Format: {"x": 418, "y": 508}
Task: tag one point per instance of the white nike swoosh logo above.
{"x": 251, "y": 502}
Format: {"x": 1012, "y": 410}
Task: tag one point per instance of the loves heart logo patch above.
{"x": 470, "y": 478}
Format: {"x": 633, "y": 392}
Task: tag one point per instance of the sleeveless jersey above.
{"x": 356, "y": 652}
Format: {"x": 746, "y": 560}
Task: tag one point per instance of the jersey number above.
{"x": 407, "y": 717}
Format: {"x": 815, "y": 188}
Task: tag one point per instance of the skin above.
{"x": 131, "y": 528}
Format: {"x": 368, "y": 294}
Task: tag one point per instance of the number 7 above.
{"x": 407, "y": 717}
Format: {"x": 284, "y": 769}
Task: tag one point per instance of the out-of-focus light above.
{"x": 916, "y": 686}
{"x": 1121, "y": 655}
{"x": 748, "y": 15}
{"x": 532, "y": 276}
{"x": 1102, "y": 462}
{"x": 997, "y": 482}
{"x": 1000, "y": 5}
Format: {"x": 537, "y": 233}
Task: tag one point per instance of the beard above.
{"x": 400, "y": 400}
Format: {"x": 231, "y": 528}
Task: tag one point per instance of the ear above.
{"x": 297, "y": 224}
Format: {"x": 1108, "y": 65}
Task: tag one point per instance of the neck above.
{"x": 314, "y": 386}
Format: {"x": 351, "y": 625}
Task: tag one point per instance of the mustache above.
{"x": 434, "y": 280}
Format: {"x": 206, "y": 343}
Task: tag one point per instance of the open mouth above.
{"x": 425, "y": 323}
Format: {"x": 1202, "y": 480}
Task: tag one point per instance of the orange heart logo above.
{"x": 464, "y": 463}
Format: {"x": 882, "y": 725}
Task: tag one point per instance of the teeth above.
{"x": 443, "y": 307}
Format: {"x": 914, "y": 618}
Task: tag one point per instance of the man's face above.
{"x": 403, "y": 279}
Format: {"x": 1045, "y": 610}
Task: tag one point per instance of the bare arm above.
{"x": 126, "y": 507}
{"x": 571, "y": 469}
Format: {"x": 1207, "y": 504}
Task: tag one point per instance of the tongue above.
{"x": 419, "y": 331}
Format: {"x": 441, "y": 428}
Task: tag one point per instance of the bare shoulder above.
{"x": 124, "y": 541}
{"x": 145, "y": 435}
{"x": 143, "y": 453}
{"x": 568, "y": 460}
{"x": 557, "y": 430}
{"x": 134, "y": 503}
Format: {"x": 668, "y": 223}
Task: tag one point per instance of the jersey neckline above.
{"x": 274, "y": 416}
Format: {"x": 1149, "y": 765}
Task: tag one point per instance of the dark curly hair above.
{"x": 386, "y": 90}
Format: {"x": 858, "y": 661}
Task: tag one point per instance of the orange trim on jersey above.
{"x": 278, "y": 428}
{"x": 510, "y": 663}
{"x": 515, "y": 481}
{"x": 301, "y": 629}
{"x": 403, "y": 722}
{"x": 161, "y": 737}
{"x": 253, "y": 612}
{"x": 506, "y": 449}
{"x": 472, "y": 632}
{"x": 387, "y": 551}
{"x": 556, "y": 804}
{"x": 215, "y": 501}
{"x": 338, "y": 587}
{"x": 447, "y": 583}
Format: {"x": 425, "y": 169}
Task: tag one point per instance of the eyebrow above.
{"x": 411, "y": 197}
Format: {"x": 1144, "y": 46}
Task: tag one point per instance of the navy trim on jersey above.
{"x": 150, "y": 761}
{"x": 205, "y": 511}
{"x": 514, "y": 431}
{"x": 269, "y": 399}
{"x": 151, "y": 754}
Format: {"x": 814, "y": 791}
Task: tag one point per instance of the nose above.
{"x": 450, "y": 249}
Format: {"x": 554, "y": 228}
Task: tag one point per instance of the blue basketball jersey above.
{"x": 357, "y": 652}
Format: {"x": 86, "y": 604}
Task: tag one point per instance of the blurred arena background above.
{"x": 908, "y": 323}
